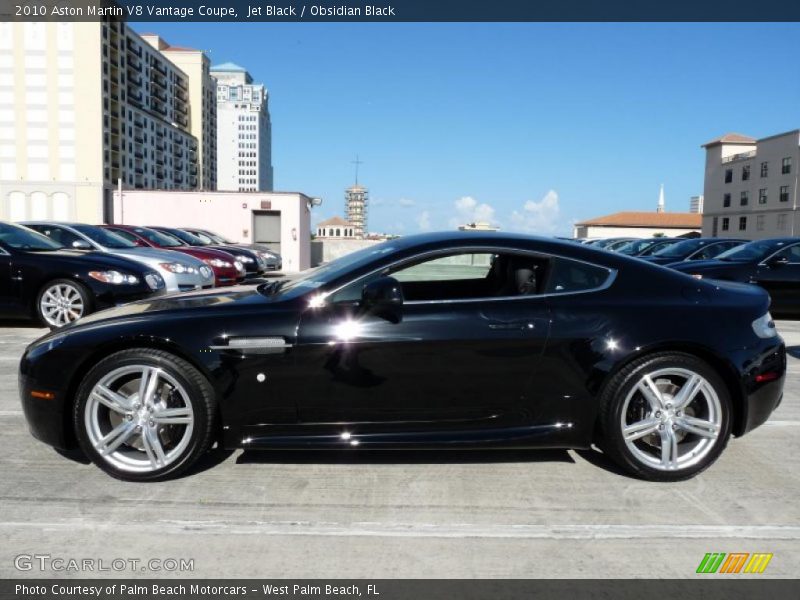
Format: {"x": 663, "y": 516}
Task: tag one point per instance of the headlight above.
{"x": 245, "y": 259}
{"x": 206, "y": 272}
{"x": 239, "y": 266}
{"x": 114, "y": 277}
{"x": 154, "y": 281}
{"x": 177, "y": 268}
{"x": 267, "y": 255}
{"x": 764, "y": 327}
{"x": 218, "y": 263}
{"x": 697, "y": 275}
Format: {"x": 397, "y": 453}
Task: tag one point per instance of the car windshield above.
{"x": 187, "y": 237}
{"x": 104, "y": 237}
{"x": 635, "y": 247}
{"x": 22, "y": 238}
{"x": 753, "y": 251}
{"x": 218, "y": 238}
{"x": 657, "y": 247}
{"x": 158, "y": 238}
{"x": 323, "y": 274}
{"x": 680, "y": 249}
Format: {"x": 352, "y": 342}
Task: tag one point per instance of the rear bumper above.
{"x": 763, "y": 388}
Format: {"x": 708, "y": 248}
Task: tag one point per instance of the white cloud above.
{"x": 538, "y": 217}
{"x": 470, "y": 211}
{"x": 406, "y": 202}
{"x": 424, "y": 220}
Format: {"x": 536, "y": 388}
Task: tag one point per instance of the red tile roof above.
{"x": 648, "y": 219}
{"x": 730, "y": 138}
{"x": 335, "y": 222}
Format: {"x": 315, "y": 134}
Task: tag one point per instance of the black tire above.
{"x": 623, "y": 383}
{"x": 199, "y": 394}
{"x": 84, "y": 293}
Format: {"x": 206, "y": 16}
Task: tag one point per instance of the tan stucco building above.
{"x": 639, "y": 224}
{"x": 750, "y": 188}
{"x": 82, "y": 105}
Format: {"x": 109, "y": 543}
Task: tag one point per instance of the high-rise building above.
{"x": 202, "y": 104}
{"x": 751, "y": 185}
{"x": 356, "y": 203}
{"x": 244, "y": 131}
{"x": 696, "y": 204}
{"x": 83, "y": 105}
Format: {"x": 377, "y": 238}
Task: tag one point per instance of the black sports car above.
{"x": 773, "y": 264}
{"x": 693, "y": 249}
{"x": 253, "y": 263}
{"x": 43, "y": 280}
{"x": 439, "y": 340}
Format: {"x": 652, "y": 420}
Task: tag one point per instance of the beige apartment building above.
{"x": 83, "y": 105}
{"x": 750, "y": 189}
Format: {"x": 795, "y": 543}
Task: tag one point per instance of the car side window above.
{"x": 574, "y": 276}
{"x": 460, "y": 276}
{"x": 792, "y": 253}
{"x": 57, "y": 234}
{"x": 126, "y": 234}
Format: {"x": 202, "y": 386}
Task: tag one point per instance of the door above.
{"x": 780, "y": 276}
{"x": 470, "y": 331}
{"x": 267, "y": 229}
{"x": 9, "y": 285}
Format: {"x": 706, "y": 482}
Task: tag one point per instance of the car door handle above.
{"x": 511, "y": 325}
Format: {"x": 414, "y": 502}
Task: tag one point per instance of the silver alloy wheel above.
{"x": 671, "y": 419}
{"x": 139, "y": 418}
{"x": 60, "y": 304}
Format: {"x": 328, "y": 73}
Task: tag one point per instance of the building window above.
{"x": 742, "y": 223}
{"x": 744, "y": 198}
{"x": 782, "y": 222}
{"x": 764, "y": 169}
{"x": 725, "y": 223}
{"x": 726, "y": 200}
{"x": 759, "y": 222}
{"x": 762, "y": 196}
{"x": 784, "y": 195}
{"x": 728, "y": 175}
{"x": 745, "y": 172}
{"x": 786, "y": 165}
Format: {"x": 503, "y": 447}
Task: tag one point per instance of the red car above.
{"x": 227, "y": 270}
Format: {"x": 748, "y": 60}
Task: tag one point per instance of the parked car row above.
{"x": 58, "y": 272}
{"x": 773, "y": 264}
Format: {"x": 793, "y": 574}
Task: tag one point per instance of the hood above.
{"x": 693, "y": 266}
{"x": 104, "y": 260}
{"x": 158, "y": 254}
{"x": 186, "y": 303}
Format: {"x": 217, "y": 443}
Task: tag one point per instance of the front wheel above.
{"x": 144, "y": 415}
{"x": 666, "y": 417}
{"x": 62, "y": 301}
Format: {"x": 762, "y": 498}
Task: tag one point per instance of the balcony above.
{"x": 160, "y": 68}
{"x": 740, "y": 156}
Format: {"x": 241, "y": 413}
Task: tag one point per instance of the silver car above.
{"x": 180, "y": 272}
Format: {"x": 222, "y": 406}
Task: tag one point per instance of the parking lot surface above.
{"x": 448, "y": 514}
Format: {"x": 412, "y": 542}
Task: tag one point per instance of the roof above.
{"x": 730, "y": 138}
{"x": 229, "y": 66}
{"x": 336, "y": 221}
{"x": 648, "y": 219}
{"x": 180, "y": 49}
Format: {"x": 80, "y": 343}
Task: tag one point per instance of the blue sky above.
{"x": 533, "y": 126}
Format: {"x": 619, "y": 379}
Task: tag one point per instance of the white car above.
{"x": 181, "y": 272}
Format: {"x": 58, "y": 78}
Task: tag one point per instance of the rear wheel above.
{"x": 144, "y": 415}
{"x": 62, "y": 301}
{"x": 666, "y": 417}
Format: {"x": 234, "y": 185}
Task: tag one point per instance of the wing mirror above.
{"x": 383, "y": 297}
{"x": 81, "y": 245}
{"x": 778, "y": 261}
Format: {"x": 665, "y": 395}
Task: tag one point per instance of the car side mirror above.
{"x": 81, "y": 245}
{"x": 383, "y": 297}
{"x": 778, "y": 261}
